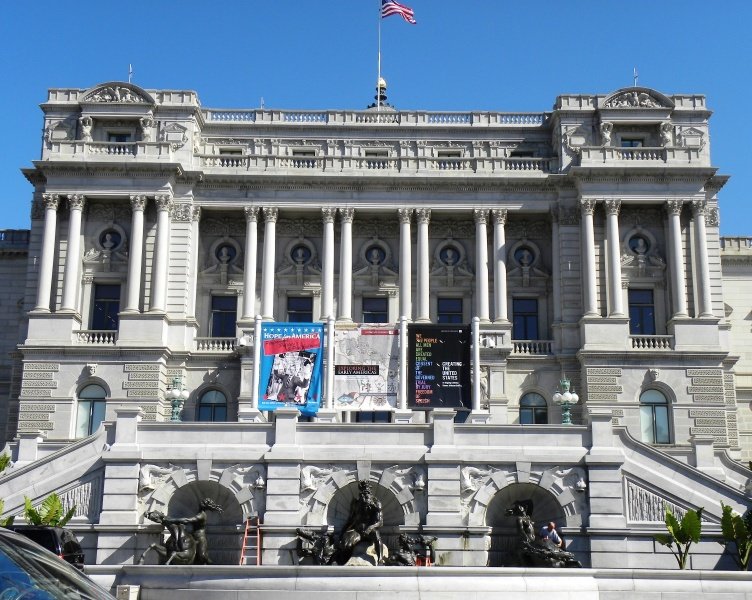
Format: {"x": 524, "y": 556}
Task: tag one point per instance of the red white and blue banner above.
{"x": 292, "y": 355}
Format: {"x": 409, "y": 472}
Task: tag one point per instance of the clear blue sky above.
{"x": 471, "y": 54}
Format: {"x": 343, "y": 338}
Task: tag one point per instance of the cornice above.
{"x": 643, "y": 174}
{"x": 109, "y": 169}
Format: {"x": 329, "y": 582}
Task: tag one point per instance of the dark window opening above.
{"x": 375, "y": 310}
{"x": 299, "y": 309}
{"x": 525, "y": 319}
{"x": 449, "y": 310}
{"x": 224, "y": 311}
{"x": 641, "y": 312}
{"x": 104, "y": 316}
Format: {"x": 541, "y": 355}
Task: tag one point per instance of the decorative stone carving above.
{"x": 635, "y": 98}
{"x": 606, "y": 131}
{"x": 667, "y": 133}
{"x": 86, "y": 126}
{"x": 91, "y": 369}
{"x": 147, "y": 124}
{"x": 499, "y": 215}
{"x": 150, "y": 476}
{"x": 182, "y": 212}
{"x": 251, "y": 214}
{"x": 116, "y": 93}
{"x": 174, "y": 134}
{"x": 646, "y": 506}
{"x": 471, "y": 478}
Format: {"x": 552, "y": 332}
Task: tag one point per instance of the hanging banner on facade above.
{"x": 366, "y": 368}
{"x": 291, "y": 358}
{"x": 438, "y": 366}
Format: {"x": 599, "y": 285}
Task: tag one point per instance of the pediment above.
{"x": 637, "y": 97}
{"x": 117, "y": 92}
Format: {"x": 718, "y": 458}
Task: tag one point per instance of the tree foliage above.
{"x": 4, "y": 521}
{"x": 737, "y": 532}
{"x": 681, "y": 535}
{"x": 50, "y": 513}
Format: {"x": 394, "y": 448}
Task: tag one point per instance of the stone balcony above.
{"x": 610, "y": 156}
{"x": 109, "y": 151}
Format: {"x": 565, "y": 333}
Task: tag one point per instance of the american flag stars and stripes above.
{"x": 390, "y": 7}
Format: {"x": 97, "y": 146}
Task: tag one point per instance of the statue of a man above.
{"x": 363, "y": 523}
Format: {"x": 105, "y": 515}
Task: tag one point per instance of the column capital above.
{"x": 587, "y": 206}
{"x": 405, "y": 215}
{"x": 163, "y": 202}
{"x": 76, "y": 201}
{"x": 196, "y": 214}
{"x": 612, "y": 206}
{"x": 51, "y": 200}
{"x": 138, "y": 202}
{"x": 423, "y": 215}
{"x": 270, "y": 214}
{"x": 251, "y": 214}
{"x": 500, "y": 215}
{"x": 699, "y": 208}
{"x": 674, "y": 207}
{"x": 347, "y": 214}
{"x": 481, "y": 216}
{"x": 327, "y": 214}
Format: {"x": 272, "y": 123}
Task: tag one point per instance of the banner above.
{"x": 366, "y": 368}
{"x": 291, "y": 363}
{"x": 439, "y": 366}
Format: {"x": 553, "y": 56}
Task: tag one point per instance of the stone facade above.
{"x": 579, "y": 243}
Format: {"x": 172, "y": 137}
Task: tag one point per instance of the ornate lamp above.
{"x": 177, "y": 396}
{"x": 564, "y": 399}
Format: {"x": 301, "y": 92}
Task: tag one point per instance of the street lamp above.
{"x": 564, "y": 399}
{"x": 177, "y": 396}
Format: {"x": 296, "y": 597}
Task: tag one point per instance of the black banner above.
{"x": 439, "y": 366}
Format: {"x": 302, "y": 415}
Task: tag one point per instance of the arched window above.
{"x": 212, "y": 406}
{"x": 533, "y": 409}
{"x": 654, "y": 418}
{"x": 90, "y": 410}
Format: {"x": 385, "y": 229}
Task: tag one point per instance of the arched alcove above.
{"x": 504, "y": 535}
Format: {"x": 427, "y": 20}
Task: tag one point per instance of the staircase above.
{"x": 250, "y": 552}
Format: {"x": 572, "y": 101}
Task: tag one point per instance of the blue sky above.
{"x": 474, "y": 54}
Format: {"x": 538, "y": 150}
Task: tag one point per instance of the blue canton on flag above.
{"x": 390, "y": 7}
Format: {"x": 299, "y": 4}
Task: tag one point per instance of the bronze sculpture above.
{"x": 363, "y": 524}
{"x": 533, "y": 551}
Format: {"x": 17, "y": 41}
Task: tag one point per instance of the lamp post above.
{"x": 564, "y": 399}
{"x": 177, "y": 396}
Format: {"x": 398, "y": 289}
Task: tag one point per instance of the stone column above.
{"x": 71, "y": 282}
{"x": 327, "y": 269}
{"x": 588, "y": 257}
{"x": 676, "y": 259}
{"x": 195, "y": 226}
{"x": 405, "y": 268}
{"x": 699, "y": 212}
{"x": 616, "y": 302}
{"x": 51, "y": 202}
{"x": 481, "y": 270}
{"x": 556, "y": 264}
{"x": 423, "y": 312}
{"x": 161, "y": 254}
{"x": 345, "y": 264}
{"x": 500, "y": 265}
{"x": 249, "y": 266}
{"x": 133, "y": 297}
{"x": 267, "y": 275}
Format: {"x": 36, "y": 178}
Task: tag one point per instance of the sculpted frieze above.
{"x": 116, "y": 93}
{"x": 636, "y": 98}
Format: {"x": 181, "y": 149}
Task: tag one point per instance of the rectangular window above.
{"x": 299, "y": 309}
{"x": 641, "y": 312}
{"x": 118, "y": 137}
{"x": 304, "y": 152}
{"x": 373, "y": 416}
{"x": 375, "y": 310}
{"x": 224, "y": 313}
{"x": 449, "y": 310}
{"x": 449, "y": 154}
{"x": 104, "y": 317}
{"x": 525, "y": 319}
{"x": 231, "y": 152}
{"x": 632, "y": 142}
{"x": 377, "y": 153}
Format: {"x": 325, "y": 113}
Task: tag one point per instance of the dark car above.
{"x": 29, "y": 572}
{"x": 57, "y": 540}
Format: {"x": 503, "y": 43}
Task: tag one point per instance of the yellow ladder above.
{"x": 250, "y": 553}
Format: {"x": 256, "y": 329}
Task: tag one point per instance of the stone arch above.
{"x": 391, "y": 486}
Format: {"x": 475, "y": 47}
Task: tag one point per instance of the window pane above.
{"x": 104, "y": 315}
{"x": 97, "y": 415}
{"x": 652, "y": 397}
{"x": 299, "y": 309}
{"x": 449, "y": 310}
{"x": 92, "y": 391}
{"x": 375, "y": 310}
{"x": 661, "y": 425}
{"x": 82, "y": 418}
{"x": 646, "y": 424}
{"x": 224, "y": 316}
{"x": 525, "y": 319}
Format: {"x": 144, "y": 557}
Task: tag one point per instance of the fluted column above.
{"x": 481, "y": 270}
{"x": 195, "y": 232}
{"x": 588, "y": 251}
{"x": 616, "y": 302}
{"x": 161, "y": 254}
{"x": 676, "y": 259}
{"x": 51, "y": 202}
{"x": 345, "y": 264}
{"x": 267, "y": 275}
{"x": 135, "y": 258}
{"x": 405, "y": 268}
{"x": 556, "y": 282}
{"x": 500, "y": 265}
{"x": 327, "y": 270}
{"x": 249, "y": 266}
{"x": 699, "y": 212}
{"x": 71, "y": 282}
{"x": 423, "y": 312}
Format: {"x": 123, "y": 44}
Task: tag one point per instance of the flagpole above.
{"x": 378, "y": 76}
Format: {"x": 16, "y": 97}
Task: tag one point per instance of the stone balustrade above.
{"x": 532, "y": 347}
{"x": 215, "y": 344}
{"x": 95, "y": 337}
{"x": 116, "y": 151}
{"x": 607, "y": 155}
{"x": 652, "y": 342}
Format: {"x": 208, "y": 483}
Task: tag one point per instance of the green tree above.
{"x": 50, "y": 512}
{"x": 681, "y": 535}
{"x": 4, "y": 521}
{"x": 737, "y": 530}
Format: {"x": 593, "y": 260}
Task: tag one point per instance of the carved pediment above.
{"x": 116, "y": 92}
{"x": 637, "y": 97}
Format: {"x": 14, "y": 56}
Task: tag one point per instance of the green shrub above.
{"x": 50, "y": 512}
{"x": 737, "y": 530}
{"x": 682, "y": 535}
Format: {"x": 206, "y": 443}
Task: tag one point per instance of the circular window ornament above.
{"x": 524, "y": 256}
{"x": 639, "y": 244}
{"x": 375, "y": 255}
{"x": 300, "y": 254}
{"x": 449, "y": 255}
{"x": 226, "y": 253}
{"x": 110, "y": 240}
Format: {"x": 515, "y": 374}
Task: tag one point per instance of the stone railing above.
{"x": 95, "y": 337}
{"x": 736, "y": 244}
{"x": 604, "y": 155}
{"x": 109, "y": 150}
{"x": 532, "y": 347}
{"x": 215, "y": 344}
{"x": 652, "y": 342}
{"x": 230, "y": 116}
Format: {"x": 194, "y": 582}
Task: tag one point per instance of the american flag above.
{"x": 390, "y": 7}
